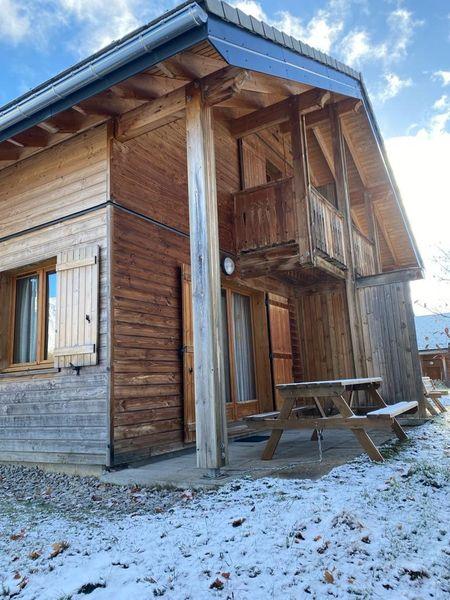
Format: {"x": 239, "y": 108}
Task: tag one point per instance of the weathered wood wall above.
{"x": 325, "y": 344}
{"x": 63, "y": 180}
{"x": 46, "y": 415}
{"x": 149, "y": 176}
{"x": 147, "y": 386}
{"x": 390, "y": 344}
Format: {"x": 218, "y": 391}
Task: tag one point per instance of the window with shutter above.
{"x": 77, "y": 307}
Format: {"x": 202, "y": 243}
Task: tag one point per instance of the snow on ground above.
{"x": 365, "y": 530}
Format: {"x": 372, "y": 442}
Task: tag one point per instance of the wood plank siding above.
{"x": 390, "y": 344}
{"x": 65, "y": 179}
{"x": 147, "y": 384}
{"x": 57, "y": 416}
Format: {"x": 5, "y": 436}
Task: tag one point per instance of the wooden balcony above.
{"x": 266, "y": 222}
{"x": 267, "y": 240}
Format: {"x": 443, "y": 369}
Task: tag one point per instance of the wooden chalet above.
{"x": 200, "y": 211}
{"x": 433, "y": 340}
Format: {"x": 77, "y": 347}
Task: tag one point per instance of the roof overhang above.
{"x": 241, "y": 40}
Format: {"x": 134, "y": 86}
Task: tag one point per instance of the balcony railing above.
{"x": 364, "y": 254}
{"x": 267, "y": 234}
{"x": 264, "y": 216}
{"x": 327, "y": 225}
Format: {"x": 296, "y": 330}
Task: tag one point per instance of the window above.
{"x": 33, "y": 316}
{"x": 238, "y": 349}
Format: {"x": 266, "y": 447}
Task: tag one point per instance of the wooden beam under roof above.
{"x": 35, "y": 137}
{"x": 319, "y": 117}
{"x": 68, "y": 121}
{"x": 9, "y": 152}
{"x": 278, "y": 113}
{"x": 216, "y": 88}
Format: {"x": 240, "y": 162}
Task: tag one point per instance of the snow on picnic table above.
{"x": 365, "y": 530}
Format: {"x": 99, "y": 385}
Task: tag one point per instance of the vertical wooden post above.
{"x": 211, "y": 435}
{"x": 301, "y": 182}
{"x": 444, "y": 369}
{"x": 373, "y": 231}
{"x": 354, "y": 315}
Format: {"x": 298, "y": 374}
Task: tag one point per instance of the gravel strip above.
{"x": 77, "y": 496}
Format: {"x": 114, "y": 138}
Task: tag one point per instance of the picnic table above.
{"x": 433, "y": 396}
{"x": 341, "y": 392}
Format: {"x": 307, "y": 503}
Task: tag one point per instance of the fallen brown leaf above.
{"x": 217, "y": 584}
{"x": 35, "y": 554}
{"x": 238, "y": 522}
{"x": 17, "y": 536}
{"x": 329, "y": 578}
{"x": 58, "y": 547}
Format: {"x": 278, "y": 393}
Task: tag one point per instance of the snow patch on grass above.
{"x": 365, "y": 530}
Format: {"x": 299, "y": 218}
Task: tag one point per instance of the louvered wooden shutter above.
{"x": 280, "y": 342}
{"x": 77, "y": 307}
{"x": 188, "y": 355}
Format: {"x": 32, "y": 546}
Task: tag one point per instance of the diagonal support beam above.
{"x": 216, "y": 88}
{"x": 278, "y": 113}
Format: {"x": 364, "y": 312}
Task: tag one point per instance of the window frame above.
{"x": 237, "y": 410}
{"x": 41, "y": 270}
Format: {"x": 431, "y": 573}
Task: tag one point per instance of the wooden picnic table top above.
{"x": 347, "y": 383}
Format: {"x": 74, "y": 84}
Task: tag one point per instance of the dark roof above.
{"x": 433, "y": 331}
{"x": 225, "y": 12}
{"x": 237, "y": 17}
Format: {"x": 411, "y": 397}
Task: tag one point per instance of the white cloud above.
{"x": 419, "y": 161}
{"x": 441, "y": 103}
{"x": 91, "y": 24}
{"x": 444, "y": 76}
{"x": 252, "y": 8}
{"x": 402, "y": 26}
{"x": 14, "y": 21}
{"x": 393, "y": 85}
{"x": 321, "y": 31}
{"x": 357, "y": 47}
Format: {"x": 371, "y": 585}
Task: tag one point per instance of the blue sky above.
{"x": 401, "y": 46}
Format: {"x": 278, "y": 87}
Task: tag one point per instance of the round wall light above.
{"x": 228, "y": 265}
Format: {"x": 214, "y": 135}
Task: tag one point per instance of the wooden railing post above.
{"x": 211, "y": 435}
{"x": 354, "y": 315}
{"x": 301, "y": 181}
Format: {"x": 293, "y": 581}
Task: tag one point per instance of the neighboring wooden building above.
{"x": 433, "y": 339}
{"x": 127, "y": 181}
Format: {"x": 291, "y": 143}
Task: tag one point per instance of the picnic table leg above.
{"x": 361, "y": 435}
{"x": 315, "y": 436}
{"x": 276, "y": 434}
{"x": 396, "y": 427}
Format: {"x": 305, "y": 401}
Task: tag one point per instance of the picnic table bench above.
{"x": 289, "y": 417}
{"x": 433, "y": 396}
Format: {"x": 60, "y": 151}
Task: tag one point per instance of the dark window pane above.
{"x": 226, "y": 348}
{"x": 243, "y": 348}
{"x": 26, "y": 319}
{"x": 50, "y": 315}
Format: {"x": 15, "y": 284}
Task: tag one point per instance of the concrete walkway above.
{"x": 296, "y": 457}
